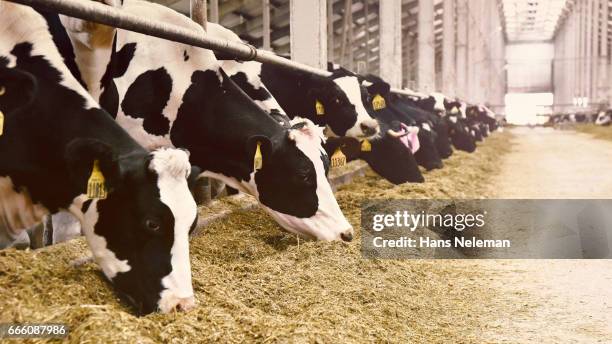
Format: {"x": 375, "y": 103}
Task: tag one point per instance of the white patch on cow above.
{"x": 172, "y": 167}
{"x": 453, "y": 119}
{"x": 252, "y": 70}
{"x": 426, "y": 126}
{"x": 106, "y": 258}
{"x": 350, "y": 86}
{"x": 603, "y": 118}
{"x": 329, "y": 222}
{"x": 439, "y": 98}
{"x": 463, "y": 110}
{"x": 21, "y": 24}
{"x": 17, "y": 211}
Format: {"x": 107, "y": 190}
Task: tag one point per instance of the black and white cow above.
{"x": 430, "y": 120}
{"x": 458, "y": 130}
{"x": 604, "y": 118}
{"x": 389, "y": 155}
{"x": 170, "y": 94}
{"x": 397, "y": 109}
{"x": 53, "y": 134}
{"x": 339, "y": 97}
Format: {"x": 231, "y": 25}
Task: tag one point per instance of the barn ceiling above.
{"x": 532, "y": 20}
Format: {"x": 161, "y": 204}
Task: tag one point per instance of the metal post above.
{"x": 588, "y": 49}
{"x": 366, "y": 11}
{"x": 214, "y": 11}
{"x": 308, "y": 26}
{"x": 330, "y": 31}
{"x": 579, "y": 53}
{"x": 603, "y": 52}
{"x": 390, "y": 60}
{"x": 345, "y": 29}
{"x": 461, "y": 49}
{"x": 197, "y": 12}
{"x": 202, "y": 191}
{"x": 266, "y": 24}
{"x": 427, "y": 67}
{"x": 448, "y": 48}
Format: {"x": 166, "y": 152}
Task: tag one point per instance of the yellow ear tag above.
{"x": 378, "y": 103}
{"x": 338, "y": 159}
{"x": 366, "y": 146}
{"x": 258, "y": 159}
{"x": 319, "y": 108}
{"x": 95, "y": 184}
{"x": 1, "y": 123}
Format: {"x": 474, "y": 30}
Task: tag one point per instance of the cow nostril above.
{"x": 368, "y": 129}
{"x": 347, "y": 236}
{"x": 186, "y": 304}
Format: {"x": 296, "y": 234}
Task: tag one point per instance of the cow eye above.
{"x": 152, "y": 225}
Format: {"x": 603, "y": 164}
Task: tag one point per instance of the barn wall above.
{"x": 529, "y": 67}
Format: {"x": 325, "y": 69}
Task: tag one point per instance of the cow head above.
{"x": 604, "y": 118}
{"x": 225, "y": 130}
{"x": 139, "y": 232}
{"x": 340, "y": 96}
{"x": 391, "y": 157}
{"x": 294, "y": 168}
{"x": 428, "y": 156}
{"x": 460, "y": 134}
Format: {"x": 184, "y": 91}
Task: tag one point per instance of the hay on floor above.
{"x": 254, "y": 282}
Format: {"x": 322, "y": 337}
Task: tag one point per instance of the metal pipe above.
{"x": 265, "y": 7}
{"x": 114, "y": 17}
{"x": 111, "y": 16}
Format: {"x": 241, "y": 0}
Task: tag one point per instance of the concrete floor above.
{"x": 551, "y": 301}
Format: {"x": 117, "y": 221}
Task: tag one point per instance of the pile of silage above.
{"x": 255, "y": 283}
{"x": 598, "y": 131}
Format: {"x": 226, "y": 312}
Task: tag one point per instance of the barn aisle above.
{"x": 548, "y": 163}
{"x": 554, "y": 300}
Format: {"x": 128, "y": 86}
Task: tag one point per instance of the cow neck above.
{"x": 216, "y": 127}
{"x": 291, "y": 90}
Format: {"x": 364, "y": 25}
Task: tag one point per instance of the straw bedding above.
{"x": 254, "y": 282}
{"x": 600, "y": 132}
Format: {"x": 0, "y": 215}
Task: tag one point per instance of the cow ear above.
{"x": 378, "y": 87}
{"x": 17, "y": 89}
{"x": 81, "y": 155}
{"x": 264, "y": 151}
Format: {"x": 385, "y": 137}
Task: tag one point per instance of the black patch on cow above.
{"x": 4, "y": 61}
{"x": 147, "y": 97}
{"x": 116, "y": 68}
{"x": 48, "y": 149}
{"x": 119, "y": 62}
{"x": 63, "y": 43}
{"x": 85, "y": 206}
{"x": 260, "y": 93}
{"x": 326, "y": 162}
{"x": 185, "y": 56}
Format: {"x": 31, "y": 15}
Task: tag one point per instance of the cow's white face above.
{"x": 365, "y": 126}
{"x": 603, "y": 118}
{"x": 139, "y": 234}
{"x": 292, "y": 185}
{"x": 328, "y": 223}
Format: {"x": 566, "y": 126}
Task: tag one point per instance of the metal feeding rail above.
{"x": 111, "y": 16}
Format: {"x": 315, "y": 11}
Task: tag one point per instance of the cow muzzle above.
{"x": 369, "y": 127}
{"x": 170, "y": 303}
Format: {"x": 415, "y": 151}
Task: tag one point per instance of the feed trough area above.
{"x": 321, "y": 171}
